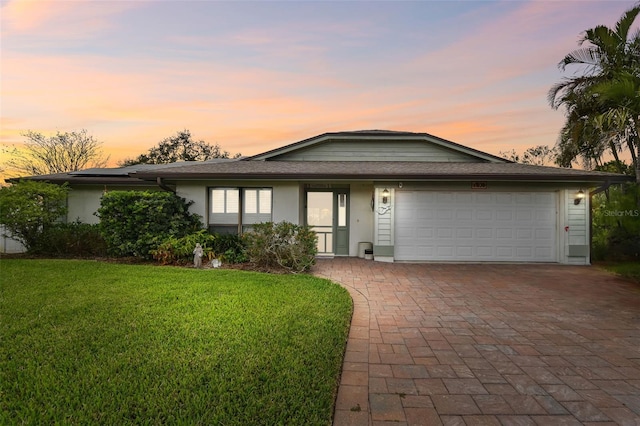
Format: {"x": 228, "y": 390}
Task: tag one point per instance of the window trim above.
{"x": 226, "y": 191}
{"x": 240, "y": 220}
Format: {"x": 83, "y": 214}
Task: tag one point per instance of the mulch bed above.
{"x": 137, "y": 261}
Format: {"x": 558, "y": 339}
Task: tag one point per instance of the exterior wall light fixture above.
{"x": 579, "y": 196}
{"x": 385, "y": 196}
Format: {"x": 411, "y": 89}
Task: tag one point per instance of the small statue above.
{"x": 197, "y": 256}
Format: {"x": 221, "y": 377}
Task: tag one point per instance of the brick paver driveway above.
{"x": 494, "y": 344}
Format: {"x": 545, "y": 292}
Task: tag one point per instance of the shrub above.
{"x": 74, "y": 239}
{"x": 177, "y": 251}
{"x": 284, "y": 244}
{"x": 616, "y": 223}
{"x": 229, "y": 248}
{"x": 135, "y": 222}
{"x": 29, "y": 208}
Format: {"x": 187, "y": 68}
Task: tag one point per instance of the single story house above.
{"x": 412, "y": 196}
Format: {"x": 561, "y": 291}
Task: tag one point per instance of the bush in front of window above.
{"x": 281, "y": 245}
{"x": 229, "y": 248}
{"x": 179, "y": 251}
{"x": 135, "y": 222}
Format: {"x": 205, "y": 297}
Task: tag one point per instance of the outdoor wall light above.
{"x": 579, "y": 196}
{"x": 385, "y": 196}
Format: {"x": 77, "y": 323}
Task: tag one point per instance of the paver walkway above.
{"x": 468, "y": 344}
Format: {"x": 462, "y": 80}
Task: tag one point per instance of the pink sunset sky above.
{"x": 252, "y": 76}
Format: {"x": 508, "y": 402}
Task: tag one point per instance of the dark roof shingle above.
{"x": 373, "y": 170}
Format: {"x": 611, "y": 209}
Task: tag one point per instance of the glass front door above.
{"x": 328, "y": 215}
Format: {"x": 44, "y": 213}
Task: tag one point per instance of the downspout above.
{"x": 164, "y": 186}
{"x": 598, "y": 190}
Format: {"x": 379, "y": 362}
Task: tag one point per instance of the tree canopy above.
{"x": 541, "y": 155}
{"x": 602, "y": 99}
{"x": 60, "y": 153}
{"x": 180, "y": 147}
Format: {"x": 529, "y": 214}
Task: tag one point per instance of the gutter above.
{"x": 379, "y": 176}
{"x": 607, "y": 184}
{"x": 164, "y": 186}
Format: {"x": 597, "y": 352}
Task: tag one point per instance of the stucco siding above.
{"x": 9, "y": 245}
{"x": 83, "y": 203}
{"x": 286, "y": 199}
{"x": 196, "y": 192}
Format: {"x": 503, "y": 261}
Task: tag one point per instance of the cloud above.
{"x": 247, "y": 110}
{"x": 254, "y": 82}
{"x": 61, "y": 19}
{"x": 25, "y": 15}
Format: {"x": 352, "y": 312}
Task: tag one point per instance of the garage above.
{"x": 475, "y": 226}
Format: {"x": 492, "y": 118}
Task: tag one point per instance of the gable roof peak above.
{"x": 373, "y": 135}
{"x": 377, "y": 132}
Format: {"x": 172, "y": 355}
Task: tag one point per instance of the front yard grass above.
{"x": 629, "y": 269}
{"x": 85, "y": 342}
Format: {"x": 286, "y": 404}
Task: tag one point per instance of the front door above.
{"x": 328, "y": 215}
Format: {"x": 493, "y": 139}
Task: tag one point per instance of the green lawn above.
{"x": 86, "y": 342}
{"x": 625, "y": 269}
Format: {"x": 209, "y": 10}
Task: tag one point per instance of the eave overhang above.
{"x": 367, "y": 171}
{"x": 63, "y": 178}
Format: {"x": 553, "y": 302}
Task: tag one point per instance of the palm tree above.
{"x": 621, "y": 97}
{"x": 581, "y": 136}
{"x": 602, "y": 105}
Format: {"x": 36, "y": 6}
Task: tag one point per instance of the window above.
{"x": 342, "y": 209}
{"x": 251, "y": 201}
{"x": 257, "y": 201}
{"x": 227, "y": 203}
{"x": 224, "y": 200}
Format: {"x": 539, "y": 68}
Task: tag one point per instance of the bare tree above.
{"x": 63, "y": 152}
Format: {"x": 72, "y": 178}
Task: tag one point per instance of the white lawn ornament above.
{"x": 197, "y": 256}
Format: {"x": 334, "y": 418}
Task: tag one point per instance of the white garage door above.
{"x": 475, "y": 226}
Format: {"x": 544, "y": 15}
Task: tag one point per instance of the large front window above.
{"x": 234, "y": 210}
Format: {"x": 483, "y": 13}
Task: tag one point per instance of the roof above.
{"x": 373, "y": 170}
{"x": 368, "y": 135}
{"x": 265, "y": 166}
{"x": 125, "y": 171}
{"x": 112, "y": 175}
{"x": 60, "y": 178}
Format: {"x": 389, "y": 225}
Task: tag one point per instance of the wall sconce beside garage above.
{"x": 385, "y": 196}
